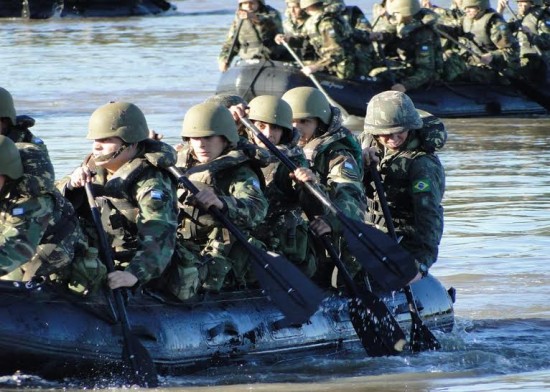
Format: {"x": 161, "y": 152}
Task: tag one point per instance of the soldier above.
{"x": 403, "y": 144}
{"x": 137, "y": 197}
{"x": 493, "y": 50}
{"x": 227, "y": 170}
{"x": 334, "y": 155}
{"x": 284, "y": 229}
{"x": 293, "y": 27}
{"x": 332, "y": 38}
{"x": 416, "y": 58}
{"x": 251, "y": 34}
{"x": 39, "y": 231}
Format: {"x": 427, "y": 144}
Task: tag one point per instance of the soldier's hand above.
{"x": 502, "y": 4}
{"x": 207, "y": 198}
{"x": 154, "y": 135}
{"x": 118, "y": 279}
{"x": 320, "y": 227}
{"x": 311, "y": 69}
{"x": 80, "y": 177}
{"x": 279, "y": 39}
{"x": 369, "y": 156}
{"x": 222, "y": 65}
{"x": 426, "y": 4}
{"x": 486, "y": 58}
{"x": 238, "y": 111}
{"x": 303, "y": 174}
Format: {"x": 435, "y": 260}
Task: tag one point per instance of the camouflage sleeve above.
{"x": 425, "y": 62}
{"x": 331, "y": 51}
{"x": 345, "y": 187}
{"x": 156, "y": 222}
{"x": 507, "y": 51}
{"x": 21, "y": 230}
{"x": 270, "y": 24}
{"x": 226, "y": 47}
{"x": 541, "y": 38}
{"x": 246, "y": 203}
{"x": 427, "y": 187}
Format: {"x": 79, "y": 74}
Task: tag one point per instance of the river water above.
{"x": 497, "y": 203}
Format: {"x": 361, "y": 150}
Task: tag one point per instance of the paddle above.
{"x": 235, "y": 39}
{"x": 294, "y": 293}
{"x": 391, "y": 266}
{"x": 374, "y": 324}
{"x": 134, "y": 354}
{"x": 421, "y": 337}
{"x": 519, "y": 83}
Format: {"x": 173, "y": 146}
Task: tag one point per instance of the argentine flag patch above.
{"x": 17, "y": 211}
{"x": 422, "y": 185}
{"x": 156, "y": 194}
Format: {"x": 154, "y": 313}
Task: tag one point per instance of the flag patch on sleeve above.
{"x": 422, "y": 185}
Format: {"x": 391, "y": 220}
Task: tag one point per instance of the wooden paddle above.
{"x": 142, "y": 369}
{"x": 387, "y": 262}
{"x": 421, "y": 337}
{"x": 294, "y": 293}
{"x": 519, "y": 83}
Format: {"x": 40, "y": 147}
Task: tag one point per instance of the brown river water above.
{"x": 497, "y": 203}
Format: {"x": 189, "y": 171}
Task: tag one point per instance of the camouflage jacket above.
{"x": 237, "y": 180}
{"x": 335, "y": 156}
{"x": 138, "y": 208}
{"x": 414, "y": 181}
{"x": 37, "y": 224}
{"x": 538, "y": 22}
{"x": 255, "y": 40}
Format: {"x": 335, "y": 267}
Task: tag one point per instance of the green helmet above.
{"x": 481, "y": 4}
{"x": 226, "y": 100}
{"x": 391, "y": 112}
{"x": 259, "y": 1}
{"x": 10, "y": 159}
{"x": 307, "y": 102}
{"x": 7, "y": 108}
{"x": 306, "y": 3}
{"x": 271, "y": 110}
{"x": 118, "y": 119}
{"x": 210, "y": 119}
{"x": 404, "y": 7}
{"x": 534, "y": 2}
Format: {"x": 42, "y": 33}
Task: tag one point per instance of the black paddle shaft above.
{"x": 293, "y": 292}
{"x": 143, "y": 370}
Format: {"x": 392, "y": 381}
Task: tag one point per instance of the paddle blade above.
{"x": 379, "y": 332}
{"x": 384, "y": 259}
{"x": 139, "y": 365}
{"x": 290, "y": 290}
{"x": 422, "y": 338}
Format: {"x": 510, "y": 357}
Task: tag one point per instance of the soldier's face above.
{"x": 471, "y": 12}
{"x": 523, "y": 7}
{"x": 295, "y": 10}
{"x": 393, "y": 141}
{"x": 250, "y": 6}
{"x": 110, "y": 145}
{"x": 306, "y": 127}
{"x": 271, "y": 131}
{"x": 207, "y": 149}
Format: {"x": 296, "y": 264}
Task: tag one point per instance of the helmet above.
{"x": 481, "y": 4}
{"x": 226, "y": 100}
{"x": 259, "y": 1}
{"x": 7, "y": 108}
{"x": 209, "y": 119}
{"x": 271, "y": 110}
{"x": 535, "y": 2}
{"x": 306, "y": 3}
{"x": 404, "y": 7}
{"x": 10, "y": 159}
{"x": 118, "y": 119}
{"x": 307, "y": 102}
{"x": 391, "y": 112}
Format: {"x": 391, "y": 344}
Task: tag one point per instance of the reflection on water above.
{"x": 497, "y": 202}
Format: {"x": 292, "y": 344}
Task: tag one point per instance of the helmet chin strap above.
{"x": 112, "y": 155}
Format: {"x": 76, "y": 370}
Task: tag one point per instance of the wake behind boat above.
{"x": 251, "y": 78}
{"x": 56, "y": 334}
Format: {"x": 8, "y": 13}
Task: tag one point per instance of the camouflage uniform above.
{"x": 138, "y": 209}
{"x": 295, "y": 29}
{"x": 413, "y": 51}
{"x": 414, "y": 182}
{"x": 255, "y": 40}
{"x": 40, "y": 234}
{"x": 237, "y": 180}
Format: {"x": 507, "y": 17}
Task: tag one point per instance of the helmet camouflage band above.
{"x": 404, "y": 7}
{"x": 118, "y": 119}
{"x": 308, "y": 102}
{"x": 210, "y": 119}
{"x": 481, "y": 4}
{"x": 7, "y": 108}
{"x": 306, "y": 3}
{"x": 271, "y": 110}
{"x": 10, "y": 159}
{"x": 246, "y": 1}
{"x": 391, "y": 112}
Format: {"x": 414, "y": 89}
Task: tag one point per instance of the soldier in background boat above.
{"x": 493, "y": 51}
{"x": 293, "y": 26}
{"x": 332, "y": 38}
{"x": 412, "y": 54}
{"x": 39, "y": 231}
{"x": 136, "y": 196}
{"x": 284, "y": 230}
{"x": 531, "y": 26}
{"x": 252, "y": 34}
{"x": 227, "y": 170}
{"x": 403, "y": 144}
{"x": 334, "y": 155}
{"x": 451, "y": 16}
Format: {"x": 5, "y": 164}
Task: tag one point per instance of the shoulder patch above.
{"x": 422, "y": 185}
{"x": 424, "y": 48}
{"x": 18, "y": 211}
{"x": 156, "y": 194}
{"x": 256, "y": 184}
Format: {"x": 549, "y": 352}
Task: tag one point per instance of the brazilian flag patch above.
{"x": 422, "y": 185}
